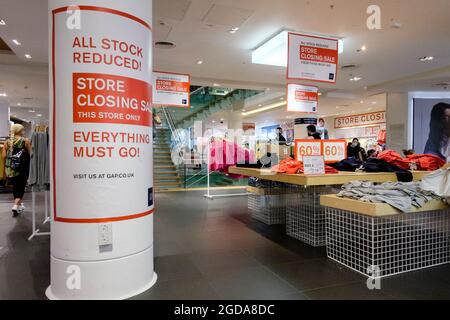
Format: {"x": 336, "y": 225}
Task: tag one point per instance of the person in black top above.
{"x": 281, "y": 139}
{"x": 354, "y": 149}
{"x": 312, "y": 132}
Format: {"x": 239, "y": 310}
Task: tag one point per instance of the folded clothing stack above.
{"x": 291, "y": 166}
{"x": 400, "y": 195}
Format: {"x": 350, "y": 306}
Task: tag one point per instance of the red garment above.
{"x": 425, "y": 162}
{"x": 290, "y": 166}
{"x": 225, "y": 154}
{"x": 381, "y": 137}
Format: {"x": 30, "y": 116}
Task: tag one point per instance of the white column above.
{"x": 398, "y": 122}
{"x": 302, "y": 121}
{"x": 101, "y": 149}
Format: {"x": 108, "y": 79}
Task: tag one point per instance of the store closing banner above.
{"x": 171, "y": 89}
{"x": 302, "y": 98}
{"x": 312, "y": 58}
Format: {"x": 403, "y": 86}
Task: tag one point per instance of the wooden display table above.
{"x": 377, "y": 240}
{"x": 324, "y": 179}
{"x": 305, "y": 217}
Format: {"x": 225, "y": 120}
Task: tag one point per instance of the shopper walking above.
{"x": 16, "y": 156}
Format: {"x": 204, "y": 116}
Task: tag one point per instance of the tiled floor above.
{"x": 213, "y": 250}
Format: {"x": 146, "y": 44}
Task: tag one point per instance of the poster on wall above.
{"x": 302, "y": 98}
{"x": 101, "y": 117}
{"x": 312, "y": 58}
{"x": 171, "y": 89}
{"x": 432, "y": 127}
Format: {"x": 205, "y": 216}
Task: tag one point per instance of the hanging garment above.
{"x": 225, "y": 154}
{"x": 2, "y": 164}
{"x": 40, "y": 159}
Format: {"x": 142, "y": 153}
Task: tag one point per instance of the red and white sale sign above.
{"x": 334, "y": 150}
{"x": 307, "y": 148}
{"x": 302, "y": 98}
{"x": 312, "y": 58}
{"x": 101, "y": 117}
{"x": 171, "y": 89}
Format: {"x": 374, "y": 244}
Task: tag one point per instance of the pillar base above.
{"x": 116, "y": 279}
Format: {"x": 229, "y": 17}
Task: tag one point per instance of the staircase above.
{"x": 165, "y": 174}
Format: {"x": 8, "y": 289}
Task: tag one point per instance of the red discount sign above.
{"x": 307, "y": 148}
{"x": 332, "y": 150}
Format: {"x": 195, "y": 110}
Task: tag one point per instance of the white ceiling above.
{"x": 200, "y": 30}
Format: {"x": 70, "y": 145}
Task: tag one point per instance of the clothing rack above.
{"x": 35, "y": 231}
{"x": 210, "y": 196}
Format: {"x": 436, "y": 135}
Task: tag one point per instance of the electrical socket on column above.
{"x": 105, "y": 234}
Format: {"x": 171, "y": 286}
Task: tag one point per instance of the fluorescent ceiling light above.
{"x": 28, "y": 56}
{"x": 355, "y": 79}
{"x": 269, "y": 107}
{"x": 2, "y": 22}
{"x": 426, "y": 59}
{"x": 3, "y": 95}
{"x": 274, "y": 52}
{"x": 16, "y": 42}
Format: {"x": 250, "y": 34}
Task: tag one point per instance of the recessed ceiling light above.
{"x": 19, "y": 104}
{"x": 260, "y": 105}
{"x": 39, "y": 115}
{"x": 31, "y": 111}
{"x": 234, "y": 30}
{"x": 426, "y": 59}
{"x": 16, "y": 42}
{"x": 216, "y": 85}
{"x": 200, "y": 62}
{"x": 2, "y": 22}
{"x": 214, "y": 121}
{"x": 362, "y": 49}
{"x": 355, "y": 79}
{"x": 28, "y": 56}
{"x": 3, "y": 94}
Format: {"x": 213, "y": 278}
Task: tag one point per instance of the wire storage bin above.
{"x": 381, "y": 246}
{"x": 305, "y": 217}
{"x": 267, "y": 202}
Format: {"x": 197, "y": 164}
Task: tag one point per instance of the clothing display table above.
{"x": 377, "y": 240}
{"x": 305, "y": 217}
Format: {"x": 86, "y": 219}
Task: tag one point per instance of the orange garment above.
{"x": 425, "y": 162}
{"x": 290, "y": 166}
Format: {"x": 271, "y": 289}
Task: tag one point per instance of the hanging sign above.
{"x": 171, "y": 89}
{"x": 360, "y": 120}
{"x": 307, "y": 148}
{"x": 313, "y": 165}
{"x": 302, "y": 98}
{"x": 312, "y": 58}
{"x": 101, "y": 117}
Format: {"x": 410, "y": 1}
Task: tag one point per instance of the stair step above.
{"x": 164, "y": 167}
{"x": 167, "y": 184}
{"x": 161, "y": 173}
